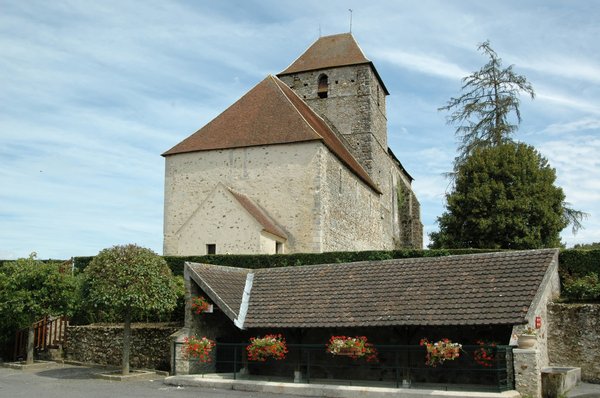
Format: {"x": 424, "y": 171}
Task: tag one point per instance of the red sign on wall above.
{"x": 538, "y": 322}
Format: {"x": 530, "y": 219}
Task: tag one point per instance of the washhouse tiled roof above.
{"x": 271, "y": 113}
{"x": 476, "y": 289}
{"x": 224, "y": 285}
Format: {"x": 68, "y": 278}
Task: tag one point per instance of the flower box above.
{"x": 270, "y": 346}
{"x": 350, "y": 352}
{"x": 440, "y": 351}
{"x": 353, "y": 347}
{"x": 201, "y": 305}
{"x": 198, "y": 348}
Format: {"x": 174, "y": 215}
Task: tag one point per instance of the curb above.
{"x": 326, "y": 390}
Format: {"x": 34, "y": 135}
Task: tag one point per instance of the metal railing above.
{"x": 399, "y": 366}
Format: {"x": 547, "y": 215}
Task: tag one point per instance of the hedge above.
{"x": 573, "y": 262}
{"x": 579, "y": 263}
{"x": 254, "y": 261}
{"x": 579, "y": 269}
{"x": 579, "y": 273}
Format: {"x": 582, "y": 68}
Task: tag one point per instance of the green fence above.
{"x": 398, "y": 366}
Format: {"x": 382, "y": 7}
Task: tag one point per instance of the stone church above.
{"x": 299, "y": 164}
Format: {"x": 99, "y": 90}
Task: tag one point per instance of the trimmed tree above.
{"x": 30, "y": 290}
{"x": 504, "y": 197}
{"x": 129, "y": 281}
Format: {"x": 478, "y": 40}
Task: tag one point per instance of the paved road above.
{"x": 67, "y": 381}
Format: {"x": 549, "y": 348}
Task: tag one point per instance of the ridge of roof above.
{"x": 259, "y": 214}
{"x": 331, "y": 52}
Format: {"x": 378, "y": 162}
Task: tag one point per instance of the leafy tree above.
{"x": 30, "y": 290}
{"x": 483, "y": 112}
{"x": 129, "y": 281}
{"x": 504, "y": 197}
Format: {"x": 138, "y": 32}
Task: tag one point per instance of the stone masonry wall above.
{"x": 355, "y": 107}
{"x": 352, "y": 213}
{"x": 102, "y": 344}
{"x": 573, "y": 337}
{"x": 355, "y": 103}
{"x": 239, "y": 232}
{"x": 279, "y": 178}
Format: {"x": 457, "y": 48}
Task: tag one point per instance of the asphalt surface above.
{"x": 68, "y": 381}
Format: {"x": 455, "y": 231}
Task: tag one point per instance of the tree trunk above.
{"x": 126, "y": 343}
{"x": 30, "y": 343}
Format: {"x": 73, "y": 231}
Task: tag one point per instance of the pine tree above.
{"x": 483, "y": 112}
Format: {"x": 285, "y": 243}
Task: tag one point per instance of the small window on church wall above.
{"x": 211, "y": 248}
{"x": 323, "y": 87}
{"x": 278, "y": 247}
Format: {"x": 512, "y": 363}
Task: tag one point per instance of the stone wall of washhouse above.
{"x": 573, "y": 338}
{"x": 529, "y": 363}
{"x": 102, "y": 344}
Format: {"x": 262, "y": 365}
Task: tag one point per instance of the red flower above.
{"x": 199, "y": 305}
{"x": 484, "y": 355}
{"x": 200, "y": 349}
{"x": 269, "y": 346}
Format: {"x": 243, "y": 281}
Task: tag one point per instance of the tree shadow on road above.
{"x": 71, "y": 372}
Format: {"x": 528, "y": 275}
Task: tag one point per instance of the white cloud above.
{"x": 584, "y": 124}
{"x": 569, "y": 100}
{"x": 565, "y": 67}
{"x": 421, "y": 63}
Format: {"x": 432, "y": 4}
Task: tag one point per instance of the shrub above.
{"x": 586, "y": 288}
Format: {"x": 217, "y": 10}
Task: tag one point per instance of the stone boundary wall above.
{"x": 102, "y": 344}
{"x": 573, "y": 336}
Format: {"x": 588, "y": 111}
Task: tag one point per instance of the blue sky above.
{"x": 92, "y": 92}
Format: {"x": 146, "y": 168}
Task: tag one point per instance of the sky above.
{"x": 92, "y": 92}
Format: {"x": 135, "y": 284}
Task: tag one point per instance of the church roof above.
{"x": 271, "y": 113}
{"x": 260, "y": 215}
{"x": 330, "y": 52}
{"x": 476, "y": 289}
